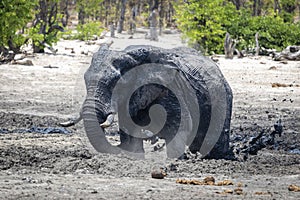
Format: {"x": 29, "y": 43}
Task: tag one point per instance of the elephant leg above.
{"x": 131, "y": 144}
{"x": 175, "y": 145}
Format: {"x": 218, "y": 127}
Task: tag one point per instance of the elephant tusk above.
{"x": 108, "y": 122}
{"x": 71, "y": 122}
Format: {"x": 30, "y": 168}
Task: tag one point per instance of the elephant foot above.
{"x": 132, "y": 146}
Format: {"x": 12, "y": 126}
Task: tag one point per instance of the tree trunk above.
{"x": 122, "y": 16}
{"x": 161, "y": 17}
{"x": 64, "y": 11}
{"x": 153, "y": 26}
{"x": 277, "y": 6}
{"x": 112, "y": 30}
{"x": 257, "y": 44}
{"x": 228, "y": 46}
{"x": 46, "y": 18}
{"x": 132, "y": 25}
{"x": 237, "y": 4}
{"x": 42, "y": 16}
{"x": 257, "y": 4}
{"x": 81, "y": 14}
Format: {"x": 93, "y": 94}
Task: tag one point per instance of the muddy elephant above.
{"x": 140, "y": 81}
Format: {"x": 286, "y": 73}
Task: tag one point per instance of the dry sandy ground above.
{"x": 59, "y": 166}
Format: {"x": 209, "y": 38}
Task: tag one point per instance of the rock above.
{"x": 158, "y": 174}
{"x": 273, "y": 68}
{"x": 84, "y": 52}
{"x": 284, "y": 62}
{"x": 94, "y": 191}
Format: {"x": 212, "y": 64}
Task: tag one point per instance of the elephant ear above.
{"x": 97, "y": 67}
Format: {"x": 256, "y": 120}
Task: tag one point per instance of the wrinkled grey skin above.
{"x": 108, "y": 66}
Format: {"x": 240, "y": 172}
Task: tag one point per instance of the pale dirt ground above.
{"x": 56, "y": 166}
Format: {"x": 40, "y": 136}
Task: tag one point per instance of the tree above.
{"x": 64, "y": 11}
{"x": 122, "y": 16}
{"x": 204, "y": 23}
{"x": 46, "y": 25}
{"x": 14, "y": 15}
{"x": 88, "y": 9}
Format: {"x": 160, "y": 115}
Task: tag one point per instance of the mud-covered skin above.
{"x": 107, "y": 67}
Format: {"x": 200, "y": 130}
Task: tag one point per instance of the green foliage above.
{"x": 274, "y": 32}
{"x": 39, "y": 38}
{"x": 14, "y": 15}
{"x": 88, "y": 31}
{"x": 288, "y": 9}
{"x": 46, "y": 25}
{"x": 90, "y": 7}
{"x": 204, "y": 22}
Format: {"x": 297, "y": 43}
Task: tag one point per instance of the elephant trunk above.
{"x": 94, "y": 113}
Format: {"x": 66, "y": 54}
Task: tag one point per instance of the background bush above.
{"x": 14, "y": 15}
{"x": 205, "y": 23}
{"x": 88, "y": 31}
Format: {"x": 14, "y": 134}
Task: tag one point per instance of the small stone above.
{"x": 158, "y": 174}
{"x": 94, "y": 192}
{"x": 273, "y": 68}
{"x": 284, "y": 62}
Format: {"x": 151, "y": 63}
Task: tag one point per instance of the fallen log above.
{"x": 290, "y": 53}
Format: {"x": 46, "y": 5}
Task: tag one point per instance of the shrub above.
{"x": 88, "y": 31}
{"x": 204, "y": 22}
{"x": 14, "y": 15}
{"x": 274, "y": 33}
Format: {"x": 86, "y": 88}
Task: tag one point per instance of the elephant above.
{"x": 138, "y": 82}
